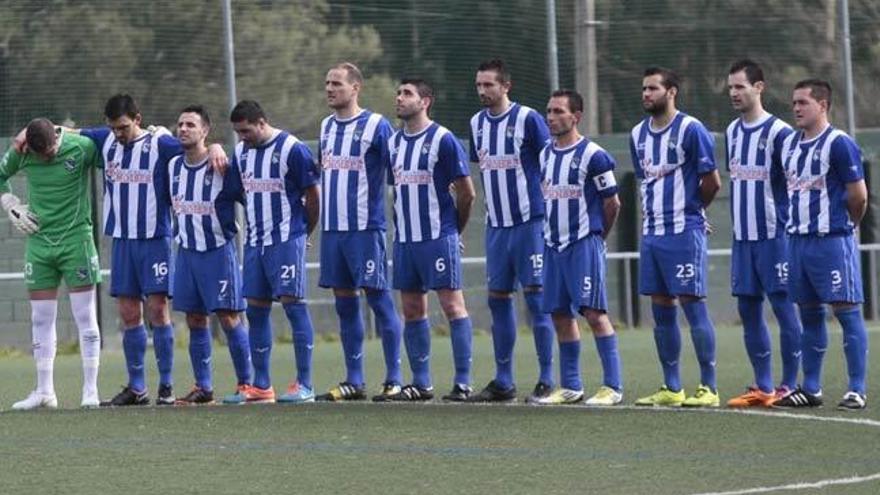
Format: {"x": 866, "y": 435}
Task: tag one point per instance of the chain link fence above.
{"x": 63, "y": 58}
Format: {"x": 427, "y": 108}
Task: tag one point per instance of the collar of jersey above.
{"x": 754, "y": 125}
{"x": 570, "y": 146}
{"x": 810, "y": 141}
{"x": 192, "y": 166}
{"x": 665, "y": 128}
{"x": 496, "y": 118}
{"x": 269, "y": 142}
{"x": 410, "y": 137}
{"x": 135, "y": 140}
{"x": 350, "y": 119}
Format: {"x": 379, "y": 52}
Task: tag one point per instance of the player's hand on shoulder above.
{"x": 159, "y": 130}
{"x": 218, "y": 159}
{"x": 20, "y": 215}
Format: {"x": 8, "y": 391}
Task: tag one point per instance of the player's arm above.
{"x": 217, "y": 158}
{"x": 846, "y": 163}
{"x": 700, "y": 146}
{"x": 304, "y": 172}
{"x": 610, "y": 212}
{"x": 19, "y": 214}
{"x": 312, "y": 206}
{"x": 710, "y": 184}
{"x": 602, "y": 166}
{"x": 464, "y": 200}
{"x": 856, "y": 200}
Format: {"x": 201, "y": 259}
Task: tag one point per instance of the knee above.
{"x": 453, "y": 308}
{"x": 196, "y": 321}
{"x": 228, "y": 319}
{"x": 157, "y": 307}
{"x": 598, "y": 321}
{"x": 130, "y": 313}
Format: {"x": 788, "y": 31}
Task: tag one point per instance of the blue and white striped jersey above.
{"x": 575, "y": 181}
{"x": 669, "y": 163}
{"x": 353, "y": 191}
{"x": 275, "y": 175}
{"x": 758, "y": 196}
{"x": 203, "y": 202}
{"x": 135, "y": 183}
{"x": 507, "y": 147}
{"x": 421, "y": 168}
{"x": 817, "y": 171}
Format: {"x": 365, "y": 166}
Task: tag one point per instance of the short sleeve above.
{"x": 700, "y": 148}
{"x": 472, "y": 145}
{"x": 169, "y": 147}
{"x": 232, "y": 185}
{"x": 302, "y": 168}
{"x": 537, "y": 134}
{"x": 779, "y": 143}
{"x": 452, "y": 162}
{"x": 846, "y": 159}
{"x": 98, "y": 135}
{"x": 601, "y": 174}
{"x": 635, "y": 159}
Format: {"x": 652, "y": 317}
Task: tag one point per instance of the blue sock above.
{"x": 462, "y": 334}
{"x": 163, "y": 345}
{"x": 351, "y": 333}
{"x": 417, "y": 338}
{"x": 667, "y": 336}
{"x": 240, "y": 351}
{"x": 570, "y": 365}
{"x": 855, "y": 346}
{"x": 260, "y": 340}
{"x": 134, "y": 345}
{"x": 391, "y": 331}
{"x": 814, "y": 343}
{"x": 703, "y": 337}
{"x": 503, "y": 339}
{"x": 789, "y": 337}
{"x": 200, "y": 356}
{"x": 757, "y": 340}
{"x": 607, "y": 348}
{"x": 303, "y": 340}
{"x": 544, "y": 333}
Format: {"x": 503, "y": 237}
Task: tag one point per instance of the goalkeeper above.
{"x": 58, "y": 224}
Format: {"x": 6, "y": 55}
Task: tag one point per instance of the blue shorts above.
{"x": 575, "y": 277}
{"x": 674, "y": 265}
{"x": 427, "y": 265}
{"x": 759, "y": 267}
{"x": 207, "y": 282}
{"x": 275, "y": 270}
{"x": 824, "y": 270}
{"x": 514, "y": 254}
{"x": 140, "y": 267}
{"x": 350, "y": 260}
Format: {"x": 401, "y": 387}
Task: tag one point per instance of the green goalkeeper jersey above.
{"x": 57, "y": 191}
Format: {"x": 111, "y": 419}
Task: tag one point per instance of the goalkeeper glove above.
{"x": 19, "y": 214}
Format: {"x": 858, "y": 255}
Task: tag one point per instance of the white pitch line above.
{"x": 800, "y": 486}
{"x": 752, "y": 412}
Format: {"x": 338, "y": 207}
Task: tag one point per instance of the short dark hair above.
{"x": 200, "y": 111}
{"x": 819, "y": 89}
{"x": 753, "y": 71}
{"x": 497, "y": 65}
{"x": 423, "y": 88}
{"x": 575, "y": 100}
{"x": 40, "y": 135}
{"x": 669, "y": 78}
{"x": 248, "y": 110}
{"x": 353, "y": 74}
{"x": 119, "y": 105}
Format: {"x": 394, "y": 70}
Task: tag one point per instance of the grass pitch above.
{"x": 435, "y": 448}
